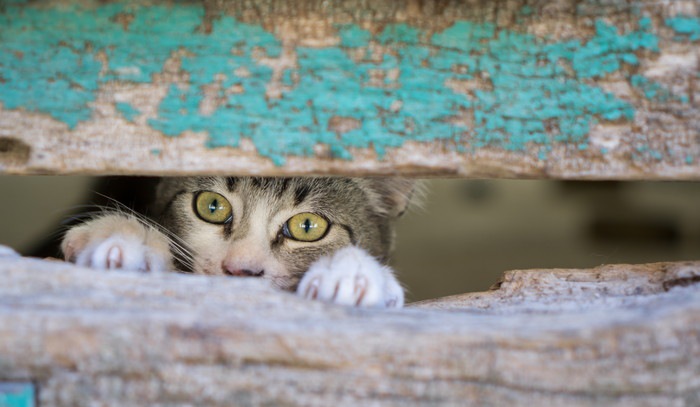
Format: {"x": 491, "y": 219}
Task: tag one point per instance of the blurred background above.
{"x": 468, "y": 231}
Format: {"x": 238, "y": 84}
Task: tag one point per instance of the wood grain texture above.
{"x": 615, "y": 335}
{"x": 546, "y": 89}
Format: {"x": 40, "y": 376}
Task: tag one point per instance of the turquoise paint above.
{"x": 287, "y": 78}
{"x": 465, "y": 36}
{"x": 127, "y": 110}
{"x": 39, "y": 76}
{"x": 606, "y": 51}
{"x": 646, "y": 151}
{"x": 17, "y": 395}
{"x": 685, "y": 26}
{"x": 399, "y": 33}
{"x": 352, "y": 36}
{"x": 689, "y": 159}
{"x": 513, "y": 114}
{"x": 654, "y": 91}
{"x": 533, "y": 100}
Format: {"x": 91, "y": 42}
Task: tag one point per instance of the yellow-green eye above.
{"x": 212, "y": 207}
{"x": 306, "y": 227}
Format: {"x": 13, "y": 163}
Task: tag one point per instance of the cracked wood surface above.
{"x": 546, "y": 89}
{"x": 616, "y": 335}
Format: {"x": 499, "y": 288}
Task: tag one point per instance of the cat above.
{"x": 326, "y": 239}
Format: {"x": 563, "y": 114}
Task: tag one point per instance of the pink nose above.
{"x": 229, "y": 270}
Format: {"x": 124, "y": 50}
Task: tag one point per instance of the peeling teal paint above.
{"x": 127, "y": 110}
{"x": 37, "y": 74}
{"x": 536, "y": 92}
{"x": 17, "y": 395}
{"x": 465, "y": 36}
{"x": 685, "y": 26}
{"x": 531, "y": 90}
{"x": 651, "y": 90}
{"x": 654, "y": 91}
{"x": 399, "y": 33}
{"x": 606, "y": 51}
{"x": 352, "y": 36}
{"x": 647, "y": 151}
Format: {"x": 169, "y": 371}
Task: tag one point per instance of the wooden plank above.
{"x": 615, "y": 336}
{"x": 519, "y": 88}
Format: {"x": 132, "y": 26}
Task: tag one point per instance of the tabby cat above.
{"x": 324, "y": 238}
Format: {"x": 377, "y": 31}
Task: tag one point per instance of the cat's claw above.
{"x": 115, "y": 242}
{"x": 115, "y": 259}
{"x": 351, "y": 276}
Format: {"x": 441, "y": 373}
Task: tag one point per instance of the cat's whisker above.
{"x": 125, "y": 210}
{"x": 284, "y": 282}
{"x": 185, "y": 258}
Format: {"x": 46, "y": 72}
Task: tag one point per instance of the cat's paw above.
{"x": 351, "y": 276}
{"x": 7, "y": 251}
{"x": 117, "y": 242}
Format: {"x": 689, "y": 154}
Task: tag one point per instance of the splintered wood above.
{"x": 615, "y": 336}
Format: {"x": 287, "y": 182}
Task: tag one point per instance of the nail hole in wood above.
{"x": 14, "y": 151}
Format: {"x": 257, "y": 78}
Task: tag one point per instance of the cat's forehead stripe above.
{"x": 282, "y": 187}
{"x": 230, "y": 183}
{"x": 264, "y": 183}
{"x": 277, "y": 186}
{"x": 300, "y": 193}
{"x": 257, "y": 182}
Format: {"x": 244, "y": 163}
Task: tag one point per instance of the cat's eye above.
{"x": 306, "y": 227}
{"x": 212, "y": 207}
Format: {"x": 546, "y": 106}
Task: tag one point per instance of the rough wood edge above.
{"x": 616, "y": 335}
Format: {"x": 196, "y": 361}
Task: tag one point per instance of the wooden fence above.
{"x": 565, "y": 89}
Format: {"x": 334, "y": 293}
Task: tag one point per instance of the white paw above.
{"x": 351, "y": 276}
{"x": 117, "y": 242}
{"x": 6, "y": 251}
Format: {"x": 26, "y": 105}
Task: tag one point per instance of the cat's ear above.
{"x": 393, "y": 195}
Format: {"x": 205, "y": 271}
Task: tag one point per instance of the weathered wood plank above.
{"x": 614, "y": 336}
{"x": 563, "y": 89}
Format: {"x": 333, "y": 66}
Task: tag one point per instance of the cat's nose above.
{"x": 231, "y": 271}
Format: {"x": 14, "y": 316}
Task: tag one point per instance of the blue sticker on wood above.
{"x": 17, "y": 394}
{"x": 521, "y": 90}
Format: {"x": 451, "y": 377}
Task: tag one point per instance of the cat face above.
{"x": 275, "y": 228}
